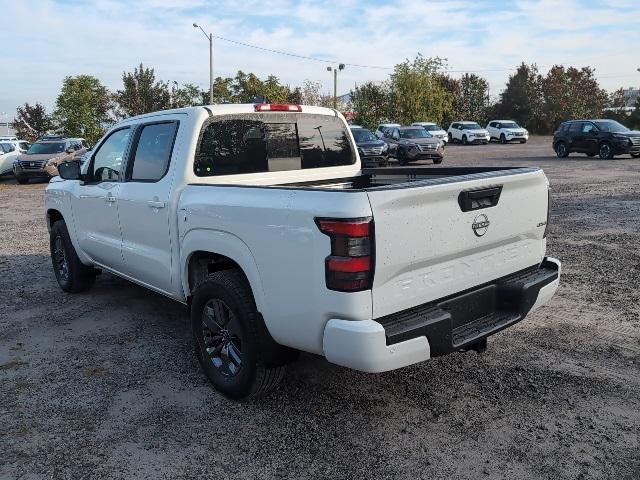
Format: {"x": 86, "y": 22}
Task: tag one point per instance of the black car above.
{"x": 373, "y": 152}
{"x": 604, "y": 138}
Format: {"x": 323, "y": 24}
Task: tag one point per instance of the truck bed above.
{"x": 385, "y": 178}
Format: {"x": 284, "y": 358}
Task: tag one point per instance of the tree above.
{"x": 454, "y": 89}
{"x": 221, "y": 91}
{"x": 186, "y": 96}
{"x": 522, "y": 99}
{"x": 83, "y": 107}
{"x": 274, "y": 92}
{"x": 370, "y": 104}
{"x": 312, "y": 94}
{"x": 142, "y": 93}
{"x": 474, "y": 97}
{"x": 417, "y": 92}
{"x": 32, "y": 122}
{"x": 570, "y": 94}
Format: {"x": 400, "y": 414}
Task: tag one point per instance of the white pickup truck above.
{"x": 261, "y": 220}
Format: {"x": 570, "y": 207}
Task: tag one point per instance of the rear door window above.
{"x": 575, "y": 127}
{"x": 262, "y": 142}
{"x": 152, "y": 152}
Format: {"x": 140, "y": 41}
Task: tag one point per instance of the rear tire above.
{"x": 561, "y": 150}
{"x": 450, "y": 137}
{"x": 72, "y": 275}
{"x": 605, "y": 152}
{"x": 22, "y": 180}
{"x": 228, "y": 339}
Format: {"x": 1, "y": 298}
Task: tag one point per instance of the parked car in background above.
{"x": 261, "y": 220}
{"x": 8, "y": 154}
{"x": 506, "y": 131}
{"x": 605, "y": 138}
{"x": 373, "y": 151}
{"x": 8, "y": 138}
{"x": 383, "y": 126}
{"x": 434, "y": 129}
{"x": 44, "y": 156}
{"x": 410, "y": 144}
{"x": 467, "y": 132}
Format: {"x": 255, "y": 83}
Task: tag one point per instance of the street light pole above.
{"x": 335, "y": 83}
{"x": 210, "y": 39}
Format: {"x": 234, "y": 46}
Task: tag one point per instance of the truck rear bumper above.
{"x": 441, "y": 327}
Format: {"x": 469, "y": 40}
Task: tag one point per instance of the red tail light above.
{"x": 350, "y": 266}
{"x": 277, "y": 107}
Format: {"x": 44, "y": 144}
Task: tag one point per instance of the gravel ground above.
{"x": 106, "y": 384}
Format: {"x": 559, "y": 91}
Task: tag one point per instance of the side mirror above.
{"x": 69, "y": 170}
{"x": 69, "y": 150}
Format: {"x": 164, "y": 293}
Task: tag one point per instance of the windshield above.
{"x": 611, "y": 126}
{"x": 46, "y": 148}
{"x": 414, "y": 133}
{"x": 431, "y": 128}
{"x": 471, "y": 126}
{"x": 363, "y": 135}
{"x": 509, "y": 125}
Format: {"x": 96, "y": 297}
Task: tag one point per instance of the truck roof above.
{"x": 229, "y": 109}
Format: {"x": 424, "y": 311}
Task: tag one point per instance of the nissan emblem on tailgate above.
{"x": 480, "y": 225}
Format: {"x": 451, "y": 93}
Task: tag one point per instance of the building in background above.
{"x": 631, "y": 96}
{"x": 5, "y": 129}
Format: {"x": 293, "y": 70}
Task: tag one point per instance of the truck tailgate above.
{"x": 428, "y": 247}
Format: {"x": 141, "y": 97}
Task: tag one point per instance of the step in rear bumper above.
{"x": 444, "y": 326}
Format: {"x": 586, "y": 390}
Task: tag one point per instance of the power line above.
{"x": 380, "y": 67}
{"x": 289, "y": 54}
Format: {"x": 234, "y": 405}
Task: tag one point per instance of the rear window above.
{"x": 271, "y": 142}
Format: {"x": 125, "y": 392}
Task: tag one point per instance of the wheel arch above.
{"x": 205, "y": 251}
{"x": 53, "y": 215}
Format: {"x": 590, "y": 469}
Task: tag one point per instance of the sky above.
{"x": 42, "y": 41}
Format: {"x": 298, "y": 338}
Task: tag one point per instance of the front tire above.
{"x": 635, "y": 155}
{"x": 437, "y": 161}
{"x": 464, "y": 140}
{"x": 605, "y": 152}
{"x": 503, "y": 139}
{"x": 561, "y": 150}
{"x": 226, "y": 331}
{"x": 72, "y": 275}
{"x": 22, "y": 180}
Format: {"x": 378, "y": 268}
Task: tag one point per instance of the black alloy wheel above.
{"x": 222, "y": 337}
{"x": 605, "y": 152}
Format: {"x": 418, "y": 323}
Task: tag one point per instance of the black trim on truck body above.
{"x": 413, "y": 178}
{"x": 462, "y": 320}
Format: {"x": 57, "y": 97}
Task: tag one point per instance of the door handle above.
{"x": 155, "y": 204}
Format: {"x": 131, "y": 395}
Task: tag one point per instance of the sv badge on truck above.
{"x": 480, "y": 225}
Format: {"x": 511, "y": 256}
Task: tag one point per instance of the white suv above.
{"x": 468, "y": 132}
{"x": 434, "y": 129}
{"x": 383, "y": 126}
{"x": 507, "y": 131}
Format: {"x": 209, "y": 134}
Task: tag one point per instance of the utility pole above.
{"x": 335, "y": 83}
{"x": 210, "y": 38}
